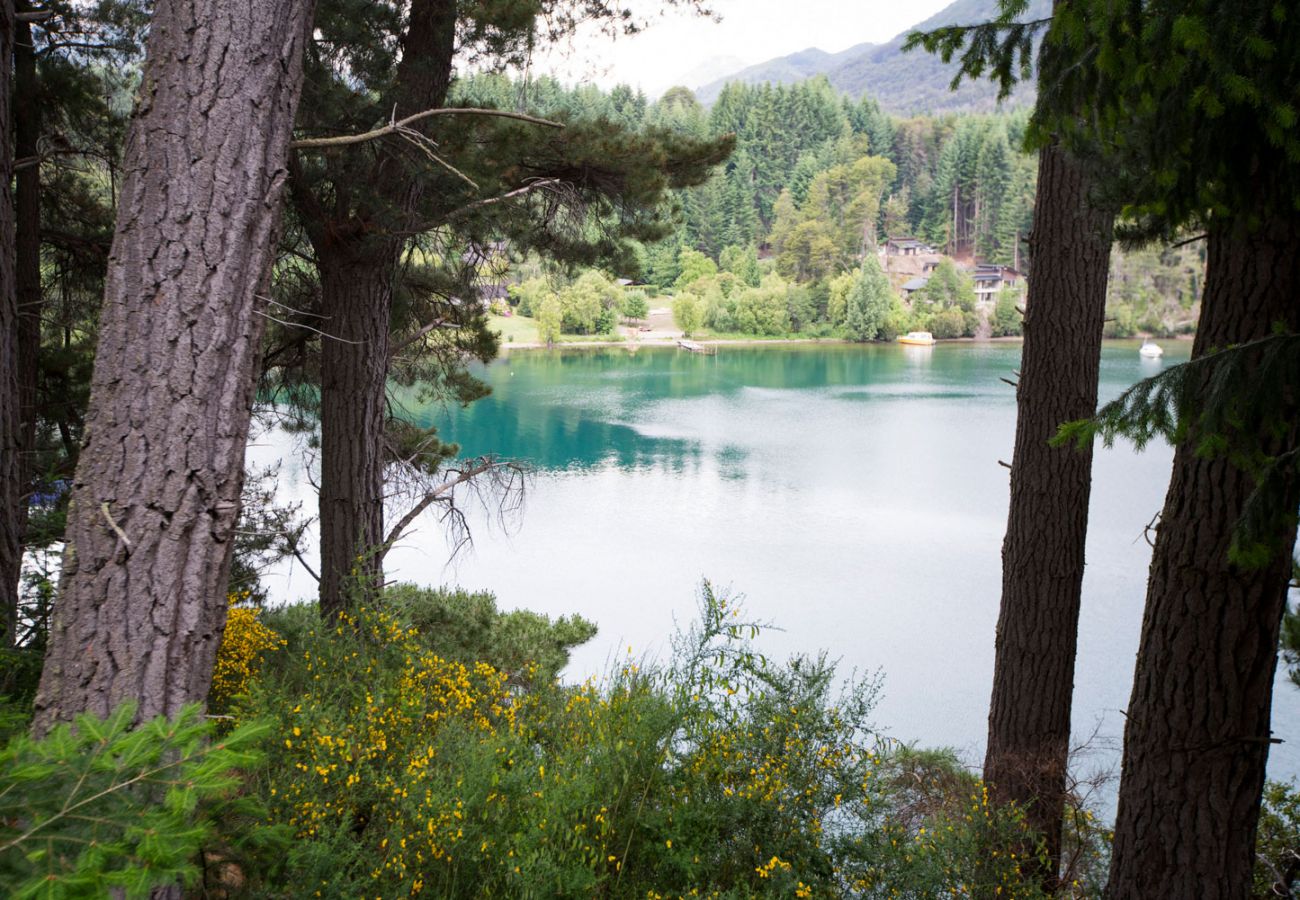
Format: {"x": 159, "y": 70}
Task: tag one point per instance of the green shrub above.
{"x": 1277, "y": 847}
{"x": 413, "y": 755}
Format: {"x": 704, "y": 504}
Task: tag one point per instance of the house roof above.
{"x": 916, "y": 283}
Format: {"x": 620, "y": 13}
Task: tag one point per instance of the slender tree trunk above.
{"x": 1047, "y": 523}
{"x": 157, "y": 488}
{"x": 11, "y": 490}
{"x": 357, "y": 295}
{"x": 1197, "y": 739}
{"x": 27, "y": 243}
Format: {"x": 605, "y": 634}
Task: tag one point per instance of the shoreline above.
{"x": 671, "y": 343}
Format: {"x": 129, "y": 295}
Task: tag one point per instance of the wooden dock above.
{"x": 693, "y": 347}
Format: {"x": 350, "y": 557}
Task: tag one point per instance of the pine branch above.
{"x": 1003, "y": 49}
{"x": 1237, "y": 404}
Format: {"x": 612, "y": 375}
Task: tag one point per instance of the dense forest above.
{"x": 817, "y": 183}
{"x": 289, "y": 212}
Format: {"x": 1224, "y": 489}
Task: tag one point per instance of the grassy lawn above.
{"x": 519, "y": 329}
{"x": 514, "y": 329}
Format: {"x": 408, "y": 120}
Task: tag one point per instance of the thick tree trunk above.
{"x": 157, "y": 488}
{"x": 11, "y": 490}
{"x": 1197, "y": 738}
{"x": 357, "y": 259}
{"x": 1047, "y": 523}
{"x": 356, "y": 296}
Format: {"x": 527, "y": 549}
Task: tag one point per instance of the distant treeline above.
{"x": 817, "y": 178}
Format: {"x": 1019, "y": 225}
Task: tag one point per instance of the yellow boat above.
{"x": 921, "y": 338}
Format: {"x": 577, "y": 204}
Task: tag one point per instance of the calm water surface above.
{"x": 851, "y": 494}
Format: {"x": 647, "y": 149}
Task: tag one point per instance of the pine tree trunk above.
{"x": 358, "y": 255}
{"x": 1197, "y": 738}
{"x": 1047, "y": 523}
{"x": 357, "y": 294}
{"x": 157, "y": 488}
{"x": 27, "y": 264}
{"x": 11, "y": 491}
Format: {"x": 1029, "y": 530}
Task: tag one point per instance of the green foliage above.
{"x": 528, "y": 295}
{"x": 402, "y": 767}
{"x": 634, "y": 305}
{"x": 837, "y": 300}
{"x": 589, "y": 305}
{"x": 948, "y": 287}
{"x": 694, "y": 265}
{"x": 1007, "y": 320}
{"x": 1216, "y": 403}
{"x": 762, "y": 310}
{"x": 1228, "y": 76}
{"x": 948, "y": 323}
{"x": 1277, "y": 846}
{"x": 103, "y": 806}
{"x": 741, "y": 262}
{"x": 550, "y": 319}
{"x": 1002, "y": 49}
{"x": 467, "y": 627}
{"x": 688, "y": 312}
{"x": 869, "y": 302}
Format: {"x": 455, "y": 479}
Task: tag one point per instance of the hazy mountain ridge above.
{"x": 903, "y": 83}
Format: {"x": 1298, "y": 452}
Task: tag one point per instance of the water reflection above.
{"x": 582, "y": 409}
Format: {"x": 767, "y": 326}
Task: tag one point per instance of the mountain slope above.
{"x": 903, "y": 83}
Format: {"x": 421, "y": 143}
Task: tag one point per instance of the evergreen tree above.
{"x": 868, "y": 302}
{"x": 992, "y": 180}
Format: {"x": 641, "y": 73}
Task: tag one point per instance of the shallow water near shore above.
{"x": 852, "y": 494}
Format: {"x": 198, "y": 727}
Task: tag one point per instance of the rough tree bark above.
{"x": 157, "y": 488}
{"x": 11, "y": 490}
{"x": 27, "y": 265}
{"x": 1047, "y": 523}
{"x": 1047, "y": 520}
{"x": 1197, "y": 738}
{"x": 358, "y": 264}
{"x": 356, "y": 299}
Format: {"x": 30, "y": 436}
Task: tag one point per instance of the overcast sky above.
{"x": 751, "y": 31}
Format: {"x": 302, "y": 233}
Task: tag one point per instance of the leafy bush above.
{"x": 1277, "y": 848}
{"x": 948, "y": 323}
{"x": 1007, "y": 320}
{"x": 404, "y": 767}
{"x": 634, "y": 305}
{"x": 688, "y": 313}
{"x": 103, "y": 806}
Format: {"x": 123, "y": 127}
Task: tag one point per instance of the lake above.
{"x": 852, "y": 494}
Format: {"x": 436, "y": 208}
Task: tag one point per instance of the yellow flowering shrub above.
{"x": 243, "y": 644}
{"x": 403, "y": 771}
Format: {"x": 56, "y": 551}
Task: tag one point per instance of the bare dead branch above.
{"x": 432, "y": 326}
{"x": 433, "y": 496}
{"x": 405, "y": 124}
{"x": 305, "y": 564}
{"x": 332, "y": 337}
{"x": 1191, "y": 240}
{"x": 540, "y": 184}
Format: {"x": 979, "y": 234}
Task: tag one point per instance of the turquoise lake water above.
{"x": 852, "y": 494}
